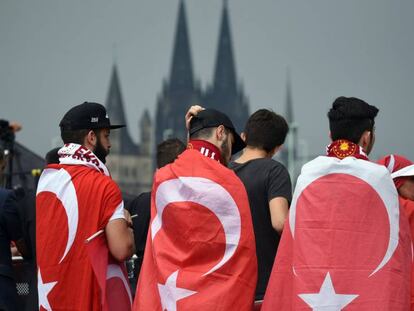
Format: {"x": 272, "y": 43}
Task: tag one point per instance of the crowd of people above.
{"x": 220, "y": 228}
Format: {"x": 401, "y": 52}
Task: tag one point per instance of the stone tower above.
{"x": 226, "y": 94}
{"x": 130, "y": 164}
{"x": 180, "y": 91}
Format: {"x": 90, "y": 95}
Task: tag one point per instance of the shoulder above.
{"x": 144, "y": 199}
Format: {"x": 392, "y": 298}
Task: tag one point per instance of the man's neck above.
{"x": 206, "y": 148}
{"x": 250, "y": 153}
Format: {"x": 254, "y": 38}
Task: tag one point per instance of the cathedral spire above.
{"x": 181, "y": 76}
{"x": 114, "y": 102}
{"x": 121, "y": 141}
{"x": 225, "y": 71}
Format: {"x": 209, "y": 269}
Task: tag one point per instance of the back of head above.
{"x": 265, "y": 130}
{"x": 350, "y": 117}
{"x": 52, "y": 157}
{"x": 80, "y": 119}
{"x": 203, "y": 125}
{"x": 168, "y": 151}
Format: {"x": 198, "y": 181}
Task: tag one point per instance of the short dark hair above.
{"x": 52, "y": 157}
{"x": 73, "y": 136}
{"x": 350, "y": 117}
{"x": 168, "y": 151}
{"x": 266, "y": 130}
{"x": 204, "y": 133}
{"x": 76, "y": 136}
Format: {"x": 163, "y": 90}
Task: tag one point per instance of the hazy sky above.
{"x": 55, "y": 54}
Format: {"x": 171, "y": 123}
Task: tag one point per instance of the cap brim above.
{"x": 112, "y": 127}
{"x": 238, "y": 145}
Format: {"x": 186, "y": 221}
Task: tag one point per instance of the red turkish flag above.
{"x": 200, "y": 251}
{"x": 72, "y": 203}
{"x": 346, "y": 244}
{"x": 111, "y": 275}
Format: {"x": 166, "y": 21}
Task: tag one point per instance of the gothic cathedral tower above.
{"x": 226, "y": 94}
{"x": 180, "y": 91}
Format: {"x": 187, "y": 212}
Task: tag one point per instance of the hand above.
{"x": 15, "y": 126}
{"x": 193, "y": 111}
{"x": 128, "y": 218}
{"x": 15, "y": 251}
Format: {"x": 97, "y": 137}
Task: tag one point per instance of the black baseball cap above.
{"x": 214, "y": 118}
{"x": 87, "y": 116}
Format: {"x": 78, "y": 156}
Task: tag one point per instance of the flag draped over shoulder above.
{"x": 200, "y": 251}
{"x": 111, "y": 276}
{"x": 346, "y": 245}
{"x": 75, "y": 199}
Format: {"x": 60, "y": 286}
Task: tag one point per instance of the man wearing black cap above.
{"x": 200, "y": 251}
{"x": 75, "y": 200}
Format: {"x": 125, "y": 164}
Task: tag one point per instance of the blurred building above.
{"x": 130, "y": 164}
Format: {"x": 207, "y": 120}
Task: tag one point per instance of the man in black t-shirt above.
{"x": 268, "y": 186}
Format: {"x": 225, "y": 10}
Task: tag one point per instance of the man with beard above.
{"x": 76, "y": 199}
{"x": 200, "y": 251}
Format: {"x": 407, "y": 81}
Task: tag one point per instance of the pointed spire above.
{"x": 181, "y": 68}
{"x": 121, "y": 141}
{"x": 114, "y": 102}
{"x": 225, "y": 71}
{"x": 289, "y": 104}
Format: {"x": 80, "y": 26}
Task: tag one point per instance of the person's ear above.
{"x": 91, "y": 139}
{"x": 243, "y": 136}
{"x": 220, "y": 133}
{"x": 365, "y": 140}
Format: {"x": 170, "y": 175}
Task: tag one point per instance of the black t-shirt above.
{"x": 140, "y": 206}
{"x": 264, "y": 180}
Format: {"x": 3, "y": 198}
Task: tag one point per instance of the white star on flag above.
{"x": 43, "y": 290}
{"x": 170, "y": 293}
{"x": 327, "y": 299}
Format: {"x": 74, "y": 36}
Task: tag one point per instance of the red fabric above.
{"x": 115, "y": 291}
{"x": 344, "y": 148}
{"x": 191, "y": 239}
{"x": 408, "y": 208}
{"x": 394, "y": 163}
{"x": 207, "y": 149}
{"x": 97, "y": 198}
{"x": 339, "y": 231}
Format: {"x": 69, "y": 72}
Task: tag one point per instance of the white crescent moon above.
{"x": 209, "y": 194}
{"x": 377, "y": 176}
{"x": 114, "y": 271}
{"x": 60, "y": 183}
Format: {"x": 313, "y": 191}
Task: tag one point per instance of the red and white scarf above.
{"x": 74, "y": 154}
{"x": 207, "y": 149}
{"x": 342, "y": 148}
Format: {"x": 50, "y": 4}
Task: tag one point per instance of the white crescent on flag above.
{"x": 377, "y": 177}
{"x": 60, "y": 183}
{"x": 209, "y": 194}
{"x": 115, "y": 271}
